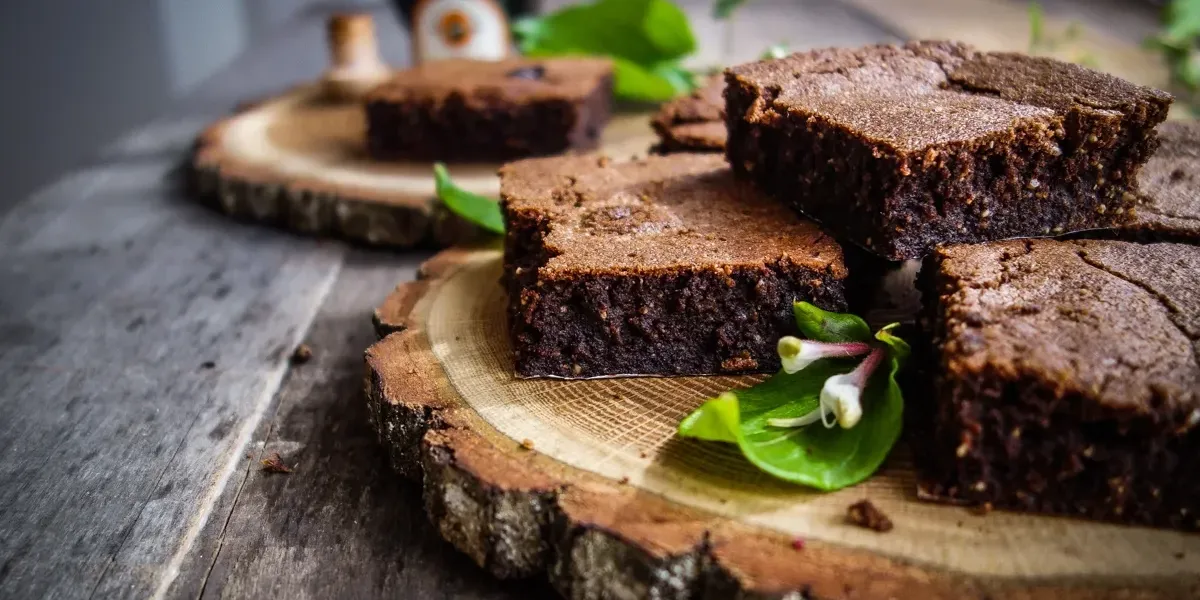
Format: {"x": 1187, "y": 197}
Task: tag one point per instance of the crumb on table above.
{"x": 302, "y": 354}
{"x": 864, "y": 514}
{"x": 274, "y": 464}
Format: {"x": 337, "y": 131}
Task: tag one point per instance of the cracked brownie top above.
{"x": 661, "y": 212}
{"x": 1113, "y": 322}
{"x": 927, "y": 93}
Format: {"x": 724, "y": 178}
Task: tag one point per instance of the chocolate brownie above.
{"x": 1067, "y": 379}
{"x": 693, "y": 123}
{"x": 902, "y": 148}
{"x": 1169, "y": 198}
{"x": 661, "y": 266}
{"x": 465, "y": 110}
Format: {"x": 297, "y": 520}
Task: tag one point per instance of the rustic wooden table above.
{"x": 144, "y": 371}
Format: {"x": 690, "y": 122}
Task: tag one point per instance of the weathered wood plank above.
{"x": 115, "y": 436}
{"x": 342, "y": 525}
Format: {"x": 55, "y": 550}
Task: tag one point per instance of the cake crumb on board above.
{"x": 302, "y": 354}
{"x": 274, "y": 464}
{"x": 866, "y": 515}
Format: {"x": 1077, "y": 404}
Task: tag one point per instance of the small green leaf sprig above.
{"x": 480, "y": 210}
{"x": 829, "y": 418}
{"x": 1179, "y": 44}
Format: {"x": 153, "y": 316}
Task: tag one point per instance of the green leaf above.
{"x": 641, "y": 31}
{"x": 825, "y": 459}
{"x": 898, "y": 349}
{"x": 480, "y": 210}
{"x": 1181, "y": 21}
{"x": 816, "y": 456}
{"x": 1037, "y": 32}
{"x": 723, "y": 8}
{"x": 645, "y": 39}
{"x": 824, "y": 326}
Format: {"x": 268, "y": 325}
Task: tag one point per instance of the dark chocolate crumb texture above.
{"x": 902, "y": 148}
{"x": 461, "y": 110}
{"x": 1067, "y": 379}
{"x": 660, "y": 266}
{"x": 693, "y": 123}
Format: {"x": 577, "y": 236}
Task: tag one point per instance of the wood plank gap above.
{"x": 244, "y": 437}
{"x": 112, "y": 560}
{"x": 236, "y": 497}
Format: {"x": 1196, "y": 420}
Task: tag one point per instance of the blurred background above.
{"x": 77, "y": 73}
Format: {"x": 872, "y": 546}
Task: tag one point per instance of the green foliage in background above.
{"x": 1177, "y": 42}
{"x": 645, "y": 39}
{"x": 1043, "y": 42}
{"x": 723, "y": 8}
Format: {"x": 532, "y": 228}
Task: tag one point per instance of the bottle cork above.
{"x": 355, "y": 65}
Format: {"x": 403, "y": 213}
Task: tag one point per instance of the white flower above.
{"x": 796, "y": 354}
{"x": 844, "y": 399}
{"x": 841, "y": 396}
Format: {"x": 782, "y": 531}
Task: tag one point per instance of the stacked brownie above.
{"x": 663, "y": 266}
{"x": 465, "y": 110}
{"x": 693, "y": 123}
{"x": 1169, "y": 199}
{"x": 900, "y": 149}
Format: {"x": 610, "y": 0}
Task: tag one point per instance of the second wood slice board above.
{"x": 300, "y": 162}
{"x": 610, "y": 503}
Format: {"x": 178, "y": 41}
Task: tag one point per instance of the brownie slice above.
{"x": 1169, "y": 200}
{"x": 693, "y": 123}
{"x": 902, "y": 148}
{"x": 660, "y": 266}
{"x": 1067, "y": 379}
{"x": 465, "y": 110}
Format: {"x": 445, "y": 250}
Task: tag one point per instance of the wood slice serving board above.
{"x": 299, "y": 161}
{"x": 605, "y": 499}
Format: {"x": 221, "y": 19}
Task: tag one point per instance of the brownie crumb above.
{"x": 274, "y": 464}
{"x": 302, "y": 354}
{"x": 1179, "y": 555}
{"x": 527, "y": 444}
{"x": 624, "y": 480}
{"x": 864, "y": 514}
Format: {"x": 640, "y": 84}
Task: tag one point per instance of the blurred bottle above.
{"x": 477, "y": 29}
